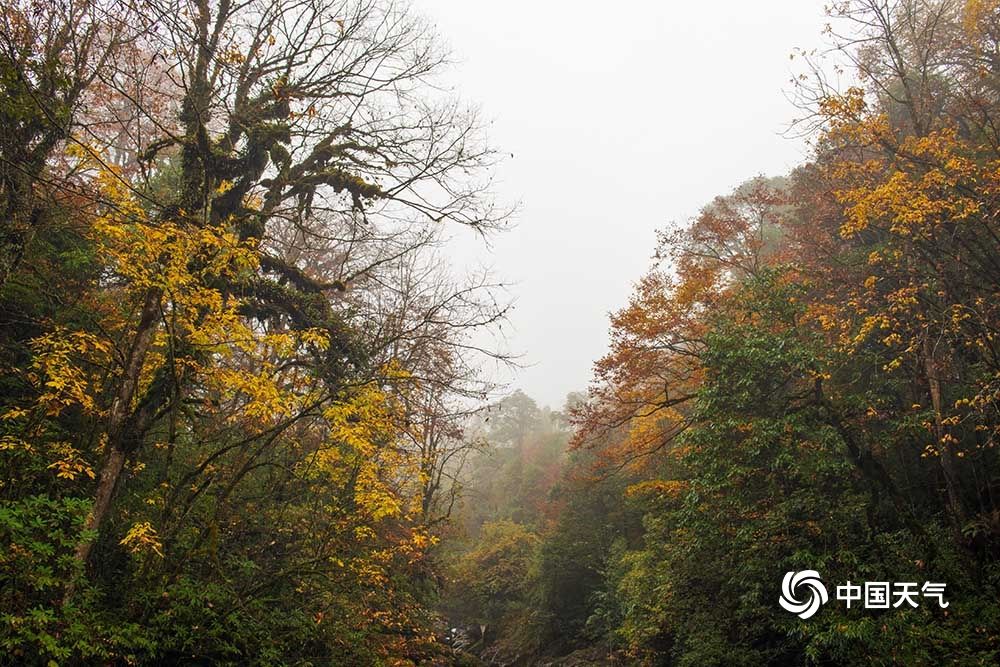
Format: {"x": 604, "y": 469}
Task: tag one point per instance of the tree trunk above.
{"x": 117, "y": 442}
{"x": 943, "y": 446}
{"x": 107, "y": 481}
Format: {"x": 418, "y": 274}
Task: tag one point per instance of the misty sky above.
{"x": 621, "y": 117}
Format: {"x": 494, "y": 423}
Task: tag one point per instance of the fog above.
{"x": 614, "y": 119}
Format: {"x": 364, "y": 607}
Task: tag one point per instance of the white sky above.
{"x": 621, "y": 117}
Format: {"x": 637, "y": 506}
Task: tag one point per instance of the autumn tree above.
{"x": 51, "y": 53}
{"x": 228, "y": 411}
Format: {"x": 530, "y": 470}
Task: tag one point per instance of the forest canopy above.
{"x": 245, "y": 414}
{"x": 807, "y": 378}
{"x": 233, "y": 360}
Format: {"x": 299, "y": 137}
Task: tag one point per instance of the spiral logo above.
{"x": 817, "y": 594}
